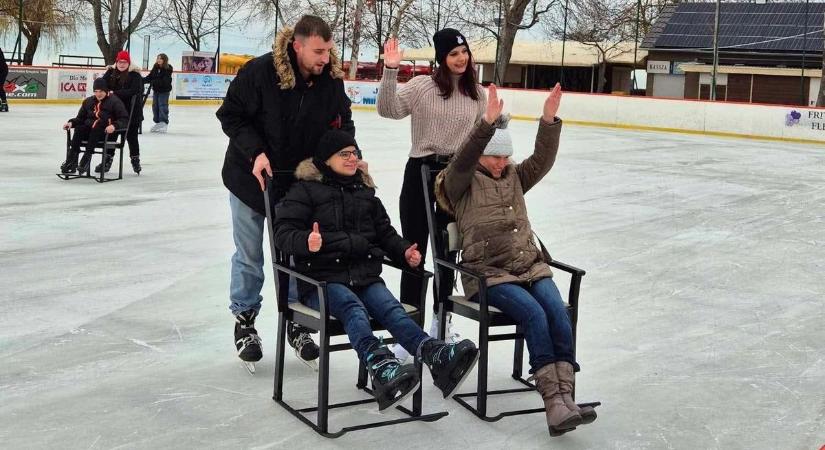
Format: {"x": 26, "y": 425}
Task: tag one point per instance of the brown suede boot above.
{"x": 560, "y": 419}
{"x": 567, "y": 379}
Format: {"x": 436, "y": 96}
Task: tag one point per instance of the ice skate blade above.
{"x": 311, "y": 364}
{"x": 250, "y": 367}
{"x": 401, "y": 399}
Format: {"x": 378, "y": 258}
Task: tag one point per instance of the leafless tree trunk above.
{"x": 513, "y": 15}
{"x": 193, "y": 20}
{"x": 54, "y": 19}
{"x": 355, "y": 43}
{"x": 113, "y": 38}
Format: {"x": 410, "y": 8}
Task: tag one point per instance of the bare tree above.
{"x": 53, "y": 19}
{"x": 193, "y": 20}
{"x": 112, "y": 38}
{"x": 602, "y": 25}
{"x": 425, "y": 17}
{"x": 515, "y": 15}
{"x": 355, "y": 38}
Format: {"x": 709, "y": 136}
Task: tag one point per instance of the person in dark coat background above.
{"x": 275, "y": 111}
{"x": 4, "y": 72}
{"x": 126, "y": 82}
{"x": 99, "y": 115}
{"x": 161, "y": 79}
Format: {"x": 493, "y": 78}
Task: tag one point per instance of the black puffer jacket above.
{"x": 125, "y": 87}
{"x": 161, "y": 78}
{"x": 94, "y": 113}
{"x": 355, "y": 229}
{"x": 4, "y": 67}
{"x": 269, "y": 108}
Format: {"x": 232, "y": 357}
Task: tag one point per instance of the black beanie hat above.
{"x": 100, "y": 85}
{"x": 445, "y": 41}
{"x": 332, "y": 142}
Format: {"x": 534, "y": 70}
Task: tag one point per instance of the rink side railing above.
{"x": 773, "y": 122}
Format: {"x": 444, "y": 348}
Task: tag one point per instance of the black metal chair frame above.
{"x": 329, "y": 327}
{"x": 143, "y": 104}
{"x": 488, "y": 317}
{"x": 107, "y": 145}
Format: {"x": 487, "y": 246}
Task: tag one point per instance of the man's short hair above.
{"x": 309, "y": 26}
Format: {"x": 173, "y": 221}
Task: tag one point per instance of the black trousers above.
{"x": 2, "y": 90}
{"x": 414, "y": 227}
{"x": 132, "y": 139}
{"x": 86, "y": 133}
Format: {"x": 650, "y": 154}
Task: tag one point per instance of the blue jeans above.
{"x": 160, "y": 107}
{"x": 542, "y": 314}
{"x": 351, "y": 307}
{"x": 247, "y": 275}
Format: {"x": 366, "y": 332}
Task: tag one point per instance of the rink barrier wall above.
{"x": 727, "y": 119}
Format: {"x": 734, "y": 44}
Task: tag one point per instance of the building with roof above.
{"x": 768, "y": 53}
{"x": 540, "y": 64}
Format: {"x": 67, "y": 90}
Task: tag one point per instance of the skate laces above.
{"x": 452, "y": 337}
{"x": 249, "y": 339}
{"x": 301, "y": 339}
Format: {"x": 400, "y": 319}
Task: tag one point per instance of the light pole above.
{"x": 804, "y": 101}
{"x": 496, "y": 78}
{"x": 129, "y": 29}
{"x": 218, "y": 51}
{"x": 563, "y": 43}
{"x": 712, "y": 95}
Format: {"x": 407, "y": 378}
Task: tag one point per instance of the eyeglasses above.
{"x": 346, "y": 154}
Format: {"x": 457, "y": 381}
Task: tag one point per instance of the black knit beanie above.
{"x": 445, "y": 41}
{"x": 100, "y": 85}
{"x": 332, "y": 142}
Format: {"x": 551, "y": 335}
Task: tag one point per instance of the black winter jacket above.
{"x": 160, "y": 78}
{"x": 131, "y": 86}
{"x": 269, "y": 109}
{"x": 355, "y": 229}
{"x": 4, "y": 67}
{"x": 95, "y": 114}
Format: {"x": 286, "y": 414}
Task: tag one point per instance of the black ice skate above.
{"x": 392, "y": 381}
{"x": 247, "y": 341}
{"x": 136, "y": 164}
{"x": 449, "y": 364}
{"x": 305, "y": 348}
{"x": 106, "y": 165}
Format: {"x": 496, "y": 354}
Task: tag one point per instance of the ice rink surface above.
{"x": 701, "y": 325}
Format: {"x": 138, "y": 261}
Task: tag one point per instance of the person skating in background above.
{"x": 161, "y": 80}
{"x": 4, "y": 72}
{"x": 99, "y": 115}
{"x": 126, "y": 82}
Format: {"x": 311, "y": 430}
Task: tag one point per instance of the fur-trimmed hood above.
{"x": 132, "y": 68}
{"x": 283, "y": 66}
{"x": 307, "y": 171}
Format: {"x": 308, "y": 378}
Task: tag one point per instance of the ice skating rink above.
{"x": 701, "y": 326}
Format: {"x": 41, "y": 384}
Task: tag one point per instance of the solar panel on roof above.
{"x": 744, "y": 26}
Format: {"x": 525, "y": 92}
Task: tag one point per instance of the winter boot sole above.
{"x": 566, "y": 426}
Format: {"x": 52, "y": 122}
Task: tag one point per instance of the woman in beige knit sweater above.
{"x": 443, "y": 109}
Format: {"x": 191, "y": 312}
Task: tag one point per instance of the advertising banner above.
{"x": 203, "y": 62}
{"x": 73, "y": 84}
{"x": 26, "y": 83}
{"x": 193, "y": 86}
{"x": 362, "y": 93}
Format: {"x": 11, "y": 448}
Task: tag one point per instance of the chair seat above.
{"x": 462, "y": 300}
{"x": 307, "y": 311}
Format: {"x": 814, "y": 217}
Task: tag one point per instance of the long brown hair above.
{"x": 467, "y": 83}
{"x": 165, "y": 60}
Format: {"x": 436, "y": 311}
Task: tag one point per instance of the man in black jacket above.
{"x": 4, "y": 72}
{"x": 274, "y": 113}
{"x": 99, "y": 115}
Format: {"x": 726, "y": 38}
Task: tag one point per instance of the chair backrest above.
{"x": 438, "y": 238}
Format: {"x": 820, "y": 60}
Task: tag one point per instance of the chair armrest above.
{"x": 567, "y": 268}
{"x": 462, "y": 270}
{"x": 421, "y": 273}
